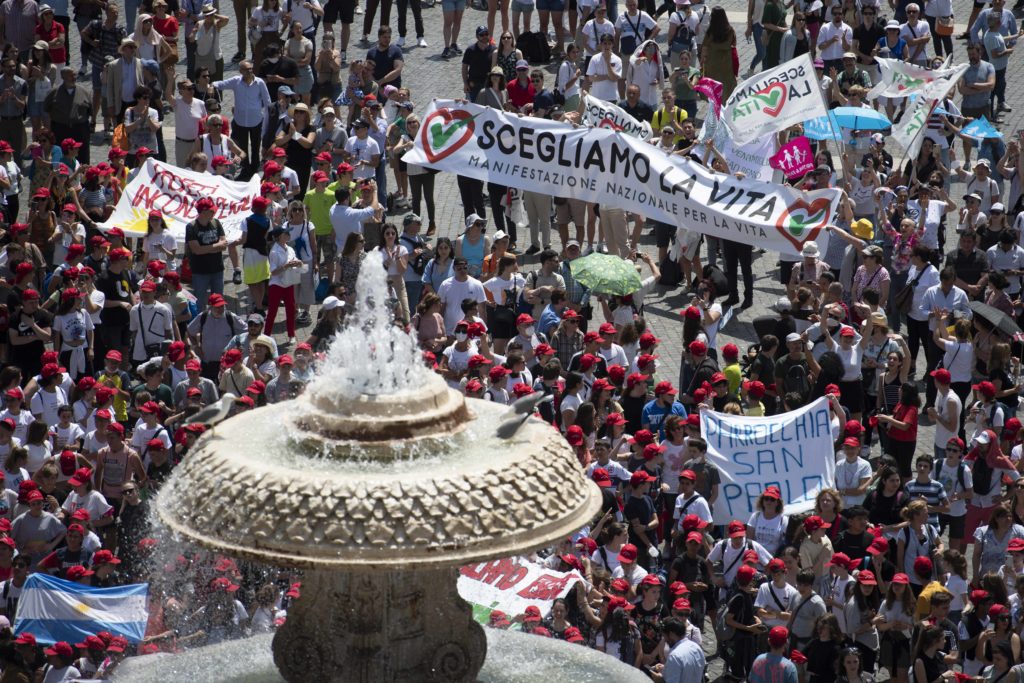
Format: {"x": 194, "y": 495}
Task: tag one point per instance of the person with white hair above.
{"x": 916, "y": 34}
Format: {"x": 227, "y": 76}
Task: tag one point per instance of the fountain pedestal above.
{"x": 401, "y": 627}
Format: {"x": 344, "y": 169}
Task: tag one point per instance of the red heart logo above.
{"x": 772, "y": 98}
{"x": 803, "y": 221}
{"x": 444, "y": 132}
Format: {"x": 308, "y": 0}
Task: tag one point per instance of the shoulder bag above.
{"x": 905, "y": 297}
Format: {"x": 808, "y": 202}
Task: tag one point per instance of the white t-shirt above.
{"x": 151, "y": 324}
{"x": 156, "y": 242}
{"x": 607, "y": 90}
{"x": 452, "y": 292}
{"x": 497, "y": 285}
{"x": 699, "y": 506}
{"x": 64, "y": 436}
{"x": 725, "y": 553}
{"x": 93, "y": 501}
{"x": 769, "y": 532}
{"x": 774, "y": 599}
{"x": 73, "y": 326}
{"x": 362, "y": 150}
{"x": 45, "y": 404}
{"x": 849, "y": 476}
{"x": 629, "y": 25}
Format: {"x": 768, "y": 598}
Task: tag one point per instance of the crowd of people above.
{"x": 909, "y": 564}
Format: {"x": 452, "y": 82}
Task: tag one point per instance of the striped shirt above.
{"x": 933, "y": 493}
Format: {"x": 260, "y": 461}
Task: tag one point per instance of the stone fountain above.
{"x": 380, "y": 481}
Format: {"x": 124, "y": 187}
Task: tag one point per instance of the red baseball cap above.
{"x": 736, "y": 529}
{"x": 664, "y": 388}
{"x": 941, "y": 375}
{"x": 628, "y": 553}
{"x": 640, "y": 477}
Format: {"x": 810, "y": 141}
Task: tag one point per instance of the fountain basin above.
{"x": 512, "y": 657}
{"x": 262, "y": 488}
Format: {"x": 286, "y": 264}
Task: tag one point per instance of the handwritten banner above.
{"x": 511, "y": 585}
{"x": 174, "y": 191}
{"x": 601, "y": 114}
{"x": 794, "y": 158}
{"x": 605, "y": 166}
{"x": 774, "y": 100}
{"x": 793, "y": 451}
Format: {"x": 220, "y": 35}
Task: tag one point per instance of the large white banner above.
{"x": 601, "y": 114}
{"x": 601, "y": 165}
{"x": 774, "y": 100}
{"x": 174, "y": 191}
{"x": 793, "y": 451}
{"x": 512, "y": 584}
{"x": 909, "y": 131}
{"x": 901, "y": 79}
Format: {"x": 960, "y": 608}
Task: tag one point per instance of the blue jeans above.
{"x": 758, "y": 35}
{"x": 131, "y": 8}
{"x": 413, "y": 290}
{"x": 381, "y": 179}
{"x": 205, "y": 284}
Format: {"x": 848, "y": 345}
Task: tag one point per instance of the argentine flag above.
{"x": 52, "y": 609}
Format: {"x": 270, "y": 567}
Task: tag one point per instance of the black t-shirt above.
{"x": 286, "y": 67}
{"x": 649, "y": 623}
{"x": 854, "y": 545}
{"x": 479, "y": 62}
{"x": 969, "y": 267}
{"x": 822, "y": 656}
{"x": 205, "y": 264}
{"x": 117, "y": 287}
{"x": 641, "y": 509}
{"x": 641, "y": 112}
{"x": 764, "y": 367}
{"x": 884, "y": 509}
{"x": 26, "y": 356}
{"x": 384, "y": 62}
{"x": 866, "y": 38}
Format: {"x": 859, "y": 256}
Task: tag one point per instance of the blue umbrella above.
{"x": 858, "y": 118}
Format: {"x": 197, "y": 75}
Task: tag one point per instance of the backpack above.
{"x": 723, "y": 632}
{"x": 682, "y": 41}
{"x": 981, "y": 473}
{"x": 671, "y": 273}
{"x": 534, "y": 46}
{"x": 418, "y": 264}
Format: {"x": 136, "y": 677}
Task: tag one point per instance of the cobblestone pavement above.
{"x": 430, "y": 76}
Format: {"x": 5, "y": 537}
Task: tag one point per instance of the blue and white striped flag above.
{"x": 53, "y": 609}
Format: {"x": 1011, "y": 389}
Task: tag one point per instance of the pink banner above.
{"x": 711, "y": 89}
{"x": 794, "y": 158}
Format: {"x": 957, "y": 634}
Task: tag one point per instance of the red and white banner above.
{"x": 173, "y": 191}
{"x": 794, "y": 158}
{"x": 512, "y": 584}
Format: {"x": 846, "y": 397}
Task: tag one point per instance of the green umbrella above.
{"x": 606, "y": 274}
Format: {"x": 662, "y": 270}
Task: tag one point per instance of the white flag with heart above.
{"x": 901, "y": 79}
{"x": 909, "y": 131}
{"x": 774, "y": 100}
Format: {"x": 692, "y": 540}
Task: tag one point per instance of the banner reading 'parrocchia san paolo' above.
{"x": 604, "y": 166}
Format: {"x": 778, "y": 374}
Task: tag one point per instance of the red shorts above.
{"x": 976, "y": 517}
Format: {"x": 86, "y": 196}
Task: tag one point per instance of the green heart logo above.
{"x": 772, "y": 98}
{"x": 445, "y": 131}
{"x": 801, "y": 221}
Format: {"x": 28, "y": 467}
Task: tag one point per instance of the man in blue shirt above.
{"x": 685, "y": 662}
{"x": 663, "y": 405}
{"x": 773, "y": 667}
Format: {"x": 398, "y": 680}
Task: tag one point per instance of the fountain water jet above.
{"x": 380, "y": 481}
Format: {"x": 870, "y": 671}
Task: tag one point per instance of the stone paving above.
{"x": 428, "y": 75}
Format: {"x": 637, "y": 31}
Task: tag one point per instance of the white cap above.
{"x": 982, "y": 437}
{"x": 332, "y": 302}
{"x": 500, "y": 235}
{"x": 792, "y": 337}
{"x": 810, "y": 249}
{"x": 473, "y": 218}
